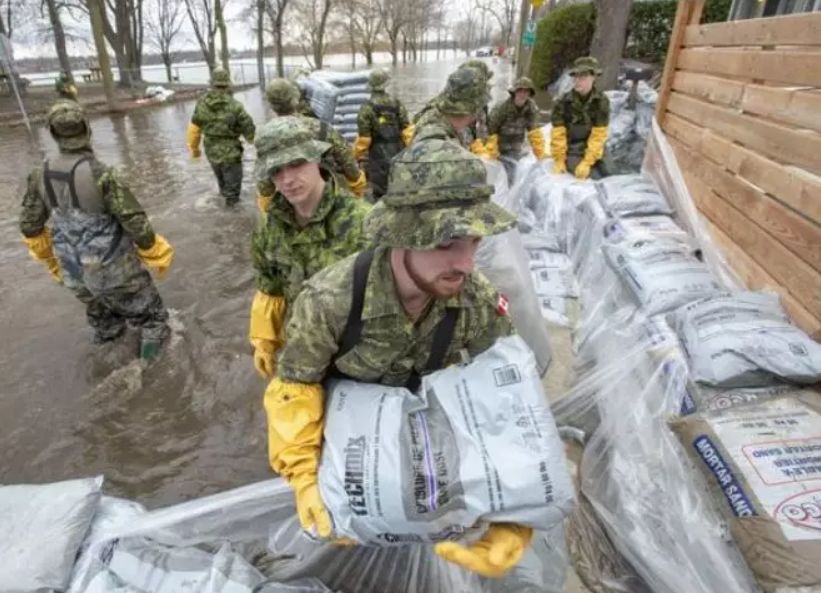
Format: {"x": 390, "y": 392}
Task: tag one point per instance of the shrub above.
{"x": 561, "y": 37}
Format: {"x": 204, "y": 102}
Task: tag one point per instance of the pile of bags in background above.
{"x": 702, "y": 457}
{"x": 336, "y": 97}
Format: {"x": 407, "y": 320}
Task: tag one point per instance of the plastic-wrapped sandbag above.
{"x": 543, "y": 193}
{"x": 659, "y": 226}
{"x": 354, "y": 89}
{"x": 704, "y": 398}
{"x": 656, "y": 512}
{"x": 400, "y": 467}
{"x": 662, "y": 274}
{"x": 343, "y": 79}
{"x": 341, "y": 119}
{"x": 631, "y": 195}
{"x": 347, "y": 109}
{"x": 347, "y": 99}
{"x": 745, "y": 340}
{"x": 321, "y": 95}
{"x": 43, "y": 527}
{"x": 762, "y": 462}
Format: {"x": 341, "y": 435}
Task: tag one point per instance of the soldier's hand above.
{"x": 559, "y": 167}
{"x": 582, "y": 170}
{"x": 195, "y": 154}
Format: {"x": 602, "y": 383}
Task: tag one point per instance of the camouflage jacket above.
{"x": 511, "y": 123}
{"x": 585, "y": 112}
{"x": 285, "y": 255}
{"x": 434, "y": 124}
{"x": 223, "y": 120}
{"x": 391, "y": 345}
{"x": 368, "y": 122}
{"x": 117, "y": 200}
{"x": 338, "y": 160}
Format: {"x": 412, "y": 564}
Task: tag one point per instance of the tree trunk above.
{"x": 278, "y": 45}
{"x": 59, "y": 37}
{"x": 369, "y": 55}
{"x": 95, "y": 8}
{"x": 261, "y": 43}
{"x": 609, "y": 38}
{"x": 166, "y": 59}
{"x": 404, "y": 49}
{"x": 394, "y": 49}
{"x": 220, "y": 18}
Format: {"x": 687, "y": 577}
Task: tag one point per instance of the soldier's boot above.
{"x": 232, "y": 176}
{"x": 150, "y": 349}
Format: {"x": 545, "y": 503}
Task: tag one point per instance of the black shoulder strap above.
{"x": 68, "y": 178}
{"x": 353, "y": 327}
{"x": 323, "y": 131}
{"x": 442, "y": 338}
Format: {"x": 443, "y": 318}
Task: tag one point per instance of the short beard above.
{"x": 425, "y": 285}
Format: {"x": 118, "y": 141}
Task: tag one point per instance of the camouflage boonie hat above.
{"x": 220, "y": 78}
{"x": 586, "y": 65}
{"x": 378, "y": 80}
{"x": 283, "y": 95}
{"x": 68, "y": 125}
{"x": 282, "y": 141}
{"x": 465, "y": 93}
{"x": 523, "y": 83}
{"x": 437, "y": 191}
{"x": 480, "y": 66}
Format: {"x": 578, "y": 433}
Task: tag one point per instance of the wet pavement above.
{"x": 192, "y": 423}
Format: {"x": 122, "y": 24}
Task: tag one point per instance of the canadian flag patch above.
{"x": 502, "y": 305}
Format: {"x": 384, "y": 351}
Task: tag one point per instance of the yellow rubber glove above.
{"x": 536, "y": 138}
{"x": 41, "y": 250}
{"x": 500, "y": 549}
{"x": 72, "y": 90}
{"x": 582, "y": 170}
{"x": 477, "y": 147}
{"x": 558, "y": 149}
{"x": 407, "y": 134}
{"x": 265, "y": 331}
{"x": 294, "y": 440}
{"x": 360, "y": 147}
{"x": 159, "y": 256}
{"x": 595, "y": 145}
{"x": 358, "y": 186}
{"x": 492, "y": 146}
{"x": 192, "y": 138}
{"x": 263, "y": 202}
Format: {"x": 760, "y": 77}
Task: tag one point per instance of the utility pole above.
{"x": 524, "y": 15}
{"x": 95, "y": 8}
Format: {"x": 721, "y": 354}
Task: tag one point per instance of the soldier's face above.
{"x": 460, "y": 122}
{"x": 441, "y": 272}
{"x": 521, "y": 96}
{"x": 583, "y": 83}
{"x": 298, "y": 181}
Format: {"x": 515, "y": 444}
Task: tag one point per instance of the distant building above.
{"x": 751, "y": 9}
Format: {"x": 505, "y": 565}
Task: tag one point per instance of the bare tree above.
{"x": 609, "y": 38}
{"x": 122, "y": 25}
{"x": 394, "y": 15}
{"x": 59, "y": 34}
{"x": 166, "y": 18}
{"x": 12, "y": 13}
{"x": 219, "y": 17}
{"x": 363, "y": 23}
{"x": 504, "y": 13}
{"x": 201, "y": 15}
{"x": 259, "y": 5}
{"x": 276, "y": 14}
{"x": 312, "y": 23}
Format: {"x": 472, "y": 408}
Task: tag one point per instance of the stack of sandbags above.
{"x": 352, "y": 93}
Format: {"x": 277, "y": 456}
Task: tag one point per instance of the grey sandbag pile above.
{"x": 745, "y": 340}
{"x": 43, "y": 527}
{"x": 352, "y": 93}
{"x": 476, "y": 444}
{"x": 322, "y": 96}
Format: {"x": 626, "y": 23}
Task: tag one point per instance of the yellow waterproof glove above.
{"x": 500, "y": 549}
{"x": 492, "y": 146}
{"x": 192, "y": 138}
{"x": 40, "y": 249}
{"x": 595, "y": 145}
{"x": 582, "y": 170}
{"x": 477, "y": 147}
{"x": 360, "y": 147}
{"x": 358, "y": 186}
{"x": 558, "y": 149}
{"x": 159, "y": 256}
{"x": 407, "y": 134}
{"x": 265, "y": 331}
{"x": 536, "y": 138}
{"x": 263, "y": 202}
{"x": 72, "y": 90}
{"x": 294, "y": 441}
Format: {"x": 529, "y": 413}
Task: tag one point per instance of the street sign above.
{"x": 529, "y": 35}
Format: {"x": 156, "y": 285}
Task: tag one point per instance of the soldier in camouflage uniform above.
{"x": 415, "y": 305}
{"x": 97, "y": 237}
{"x": 222, "y": 119}
{"x": 65, "y": 87}
{"x": 464, "y": 97}
{"x": 283, "y": 97}
{"x": 510, "y": 121}
{"x": 580, "y": 119}
{"x": 383, "y": 130}
{"x": 311, "y": 222}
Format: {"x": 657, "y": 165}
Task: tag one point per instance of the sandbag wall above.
{"x": 352, "y": 93}
{"x": 702, "y": 455}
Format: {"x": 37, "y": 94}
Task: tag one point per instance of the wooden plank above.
{"x": 793, "y": 187}
{"x": 800, "y": 68}
{"x": 794, "y": 29}
{"x": 792, "y": 106}
{"x": 795, "y": 232}
{"x": 788, "y": 145}
{"x": 789, "y": 271}
{"x": 684, "y": 11}
{"x": 756, "y": 278}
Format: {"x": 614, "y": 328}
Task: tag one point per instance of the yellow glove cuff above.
{"x": 40, "y": 245}
{"x": 263, "y": 202}
{"x": 492, "y": 146}
{"x": 595, "y": 145}
{"x": 477, "y": 147}
{"x": 267, "y": 318}
{"x": 193, "y": 135}
{"x": 159, "y": 255}
{"x": 536, "y": 138}
{"x": 558, "y": 143}
{"x": 295, "y": 413}
{"x": 360, "y": 147}
{"x": 407, "y": 134}
{"x": 358, "y": 185}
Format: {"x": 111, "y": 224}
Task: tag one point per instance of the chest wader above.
{"x": 442, "y": 336}
{"x": 577, "y": 135}
{"x": 386, "y": 143}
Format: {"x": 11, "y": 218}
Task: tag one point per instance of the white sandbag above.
{"x": 345, "y": 118}
{"x": 658, "y": 225}
{"x": 554, "y": 281}
{"x": 662, "y": 274}
{"x": 354, "y": 89}
{"x": 745, "y": 340}
{"x": 704, "y": 398}
{"x": 542, "y": 193}
{"x": 352, "y": 99}
{"x": 43, "y": 527}
{"x": 321, "y": 96}
{"x": 476, "y": 444}
{"x": 631, "y": 195}
{"x": 343, "y": 79}
{"x": 348, "y": 109}
{"x": 556, "y": 309}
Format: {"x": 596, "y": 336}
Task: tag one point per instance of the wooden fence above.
{"x": 741, "y": 105}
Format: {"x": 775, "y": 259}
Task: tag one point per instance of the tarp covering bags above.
{"x": 351, "y": 92}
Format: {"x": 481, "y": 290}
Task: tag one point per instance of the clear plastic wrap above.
{"x": 321, "y": 95}
{"x": 43, "y": 528}
{"x": 343, "y": 79}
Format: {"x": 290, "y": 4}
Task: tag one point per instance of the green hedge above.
{"x": 566, "y": 34}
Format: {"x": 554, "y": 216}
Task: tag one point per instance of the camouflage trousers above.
{"x": 229, "y": 179}
{"x": 115, "y": 293}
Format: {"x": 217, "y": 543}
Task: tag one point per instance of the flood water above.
{"x": 192, "y": 423}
